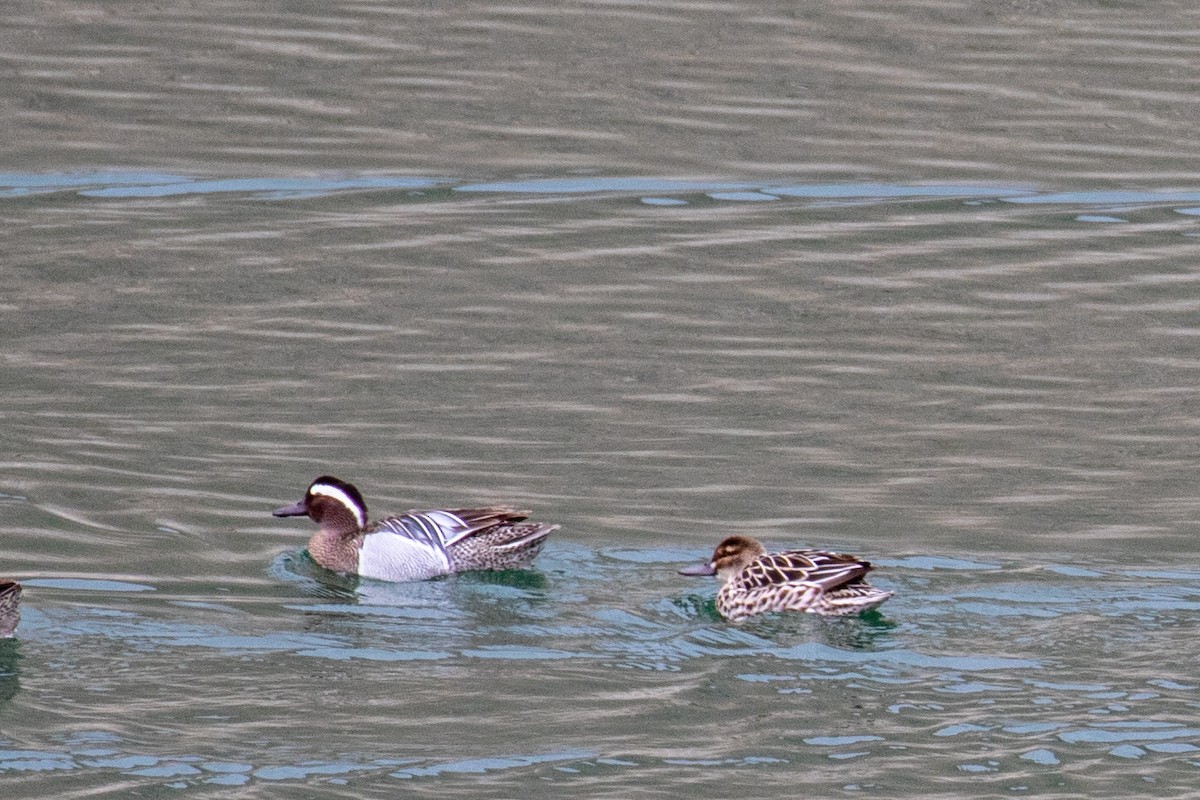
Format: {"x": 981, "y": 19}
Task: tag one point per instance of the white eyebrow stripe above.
{"x": 343, "y": 498}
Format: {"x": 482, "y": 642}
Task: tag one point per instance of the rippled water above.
{"x": 938, "y": 309}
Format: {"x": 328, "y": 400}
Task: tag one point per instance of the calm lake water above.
{"x": 916, "y": 281}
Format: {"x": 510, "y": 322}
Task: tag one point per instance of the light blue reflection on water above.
{"x": 522, "y": 653}
{"x": 1127, "y": 751}
{"x": 1172, "y": 747}
{"x": 149, "y": 184}
{"x": 270, "y": 188}
{"x": 1098, "y": 218}
{"x": 87, "y": 584}
{"x": 132, "y": 184}
{"x": 121, "y": 762}
{"x": 1031, "y": 727}
{"x": 294, "y": 772}
{"x": 964, "y": 727}
{"x": 893, "y": 190}
{"x": 617, "y": 184}
{"x": 840, "y": 741}
{"x": 167, "y": 770}
{"x": 1132, "y": 731}
{"x": 813, "y": 651}
{"x": 371, "y": 654}
{"x": 200, "y": 770}
{"x": 34, "y": 761}
{"x": 1041, "y": 756}
{"x": 368, "y": 608}
{"x": 716, "y": 762}
{"x": 20, "y": 184}
{"x": 973, "y": 687}
{"x": 479, "y": 766}
{"x": 1109, "y": 198}
{"x": 1068, "y": 687}
{"x": 747, "y": 197}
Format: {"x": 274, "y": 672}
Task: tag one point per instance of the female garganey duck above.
{"x": 415, "y": 545}
{"x": 10, "y": 613}
{"x": 814, "y": 581}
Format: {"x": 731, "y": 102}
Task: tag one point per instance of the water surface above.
{"x": 910, "y": 281}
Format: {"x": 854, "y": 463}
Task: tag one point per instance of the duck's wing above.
{"x": 478, "y": 519}
{"x": 819, "y": 568}
{"x": 440, "y": 528}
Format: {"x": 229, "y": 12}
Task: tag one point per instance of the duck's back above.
{"x": 822, "y": 568}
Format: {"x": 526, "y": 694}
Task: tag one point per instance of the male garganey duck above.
{"x": 10, "y": 612}
{"x": 814, "y": 581}
{"x": 417, "y": 544}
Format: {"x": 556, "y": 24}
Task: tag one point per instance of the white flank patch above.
{"x": 392, "y": 557}
{"x": 325, "y": 490}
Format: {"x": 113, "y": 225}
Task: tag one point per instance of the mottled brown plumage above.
{"x": 812, "y": 581}
{"x": 10, "y": 611}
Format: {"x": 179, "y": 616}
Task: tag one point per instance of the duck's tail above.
{"x": 852, "y": 599}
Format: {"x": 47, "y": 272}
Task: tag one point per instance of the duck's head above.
{"x": 333, "y": 504}
{"x": 732, "y": 556}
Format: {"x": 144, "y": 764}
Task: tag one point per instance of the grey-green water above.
{"x": 938, "y": 307}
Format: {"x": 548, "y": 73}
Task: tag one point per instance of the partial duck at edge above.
{"x": 10, "y": 608}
